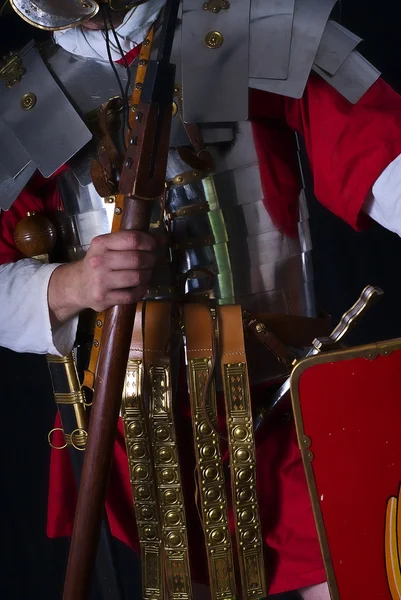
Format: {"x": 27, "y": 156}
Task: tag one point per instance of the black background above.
{"x": 344, "y": 263}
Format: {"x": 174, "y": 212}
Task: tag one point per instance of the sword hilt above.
{"x": 350, "y": 318}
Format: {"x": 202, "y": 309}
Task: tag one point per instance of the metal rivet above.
{"x": 206, "y": 6}
{"x": 134, "y": 107}
{"x": 143, "y": 62}
{"x": 96, "y": 343}
{"x": 118, "y": 210}
{"x": 138, "y": 117}
{"x": 175, "y": 109}
{"x": 28, "y": 101}
{"x": 138, "y": 86}
{"x": 128, "y": 163}
{"x": 133, "y": 141}
{"x": 260, "y": 327}
{"x": 214, "y": 39}
{"x": 99, "y": 323}
{"x": 146, "y": 42}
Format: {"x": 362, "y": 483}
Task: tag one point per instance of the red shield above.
{"x": 347, "y": 407}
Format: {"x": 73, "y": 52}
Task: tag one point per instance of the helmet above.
{"x": 61, "y": 14}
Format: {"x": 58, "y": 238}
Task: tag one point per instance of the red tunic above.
{"x": 349, "y": 146}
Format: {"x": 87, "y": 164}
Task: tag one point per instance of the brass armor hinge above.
{"x": 11, "y": 69}
{"x": 216, "y": 5}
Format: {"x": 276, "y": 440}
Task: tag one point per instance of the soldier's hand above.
{"x": 117, "y": 269}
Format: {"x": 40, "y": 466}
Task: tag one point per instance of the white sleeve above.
{"x": 24, "y": 313}
{"x": 384, "y": 202}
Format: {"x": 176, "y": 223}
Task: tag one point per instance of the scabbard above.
{"x": 242, "y": 452}
{"x": 199, "y": 333}
{"x": 70, "y": 402}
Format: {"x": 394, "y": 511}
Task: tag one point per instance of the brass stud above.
{"x": 170, "y": 497}
{"x": 214, "y": 39}
{"x": 174, "y": 539}
{"x": 147, "y": 513}
{"x": 140, "y": 472}
{"x": 260, "y": 327}
{"x": 117, "y": 210}
{"x": 138, "y": 451}
{"x": 211, "y": 473}
{"x": 135, "y": 429}
{"x": 28, "y": 101}
{"x": 143, "y": 62}
{"x": 174, "y": 109}
{"x": 143, "y": 492}
{"x": 96, "y": 343}
{"x": 149, "y": 532}
{"x": 217, "y": 536}
{"x": 173, "y": 518}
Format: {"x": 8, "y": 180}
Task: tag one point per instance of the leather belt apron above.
{"x": 242, "y": 451}
{"x": 199, "y": 332}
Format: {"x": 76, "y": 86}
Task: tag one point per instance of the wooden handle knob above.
{"x": 35, "y": 235}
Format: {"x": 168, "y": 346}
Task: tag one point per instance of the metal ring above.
{"x": 50, "y": 442}
{"x": 76, "y": 432}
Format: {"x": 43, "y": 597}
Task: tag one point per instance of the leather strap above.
{"x": 157, "y": 339}
{"x": 293, "y": 330}
{"x": 266, "y": 337}
{"x": 109, "y": 161}
{"x": 89, "y": 374}
{"x": 141, "y": 469}
{"x": 242, "y": 452}
{"x": 199, "y": 331}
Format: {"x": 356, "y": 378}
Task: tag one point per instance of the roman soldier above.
{"x": 224, "y": 275}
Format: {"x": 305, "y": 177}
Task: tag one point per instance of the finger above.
{"x": 160, "y": 237}
{"x": 127, "y": 296}
{"x": 119, "y": 280}
{"x": 124, "y": 240}
{"x": 130, "y": 260}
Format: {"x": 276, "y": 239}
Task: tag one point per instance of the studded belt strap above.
{"x": 141, "y": 468}
{"x": 157, "y": 339}
{"x": 242, "y": 452}
{"x": 199, "y": 331}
